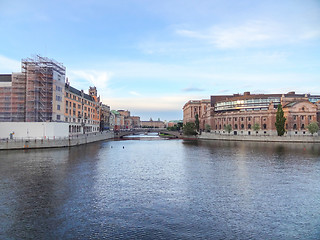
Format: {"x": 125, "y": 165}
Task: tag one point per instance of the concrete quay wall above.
{"x": 56, "y": 142}
{"x": 259, "y": 138}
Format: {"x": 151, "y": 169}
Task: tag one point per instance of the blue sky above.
{"x": 151, "y": 57}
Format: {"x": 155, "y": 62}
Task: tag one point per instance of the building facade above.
{"x": 82, "y": 110}
{"x": 34, "y": 95}
{"x": 200, "y": 108}
{"x": 243, "y": 112}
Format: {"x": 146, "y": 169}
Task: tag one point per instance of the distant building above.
{"x": 243, "y": 111}
{"x": 104, "y": 117}
{"x": 153, "y": 124}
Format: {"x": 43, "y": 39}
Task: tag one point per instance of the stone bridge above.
{"x": 122, "y": 133}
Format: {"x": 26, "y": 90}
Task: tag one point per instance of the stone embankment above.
{"x": 56, "y": 142}
{"x": 260, "y": 138}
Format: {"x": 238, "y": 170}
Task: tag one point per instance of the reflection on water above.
{"x": 162, "y": 190}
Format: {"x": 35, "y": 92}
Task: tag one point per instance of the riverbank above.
{"x": 259, "y": 138}
{"x": 55, "y": 142}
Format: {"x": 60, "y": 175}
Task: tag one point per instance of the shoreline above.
{"x": 259, "y": 138}
{"x": 16, "y": 144}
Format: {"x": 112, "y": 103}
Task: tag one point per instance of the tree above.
{"x": 189, "y": 129}
{"x": 208, "y": 128}
{"x": 256, "y": 127}
{"x": 227, "y": 128}
{"x": 313, "y": 127}
{"x": 197, "y": 123}
{"x": 280, "y": 121}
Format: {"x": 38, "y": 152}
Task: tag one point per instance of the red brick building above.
{"x": 243, "y": 111}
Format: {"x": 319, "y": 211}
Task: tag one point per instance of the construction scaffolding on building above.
{"x": 18, "y": 97}
{"x": 39, "y": 72}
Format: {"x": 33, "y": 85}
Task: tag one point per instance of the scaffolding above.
{"x": 18, "y": 97}
{"x": 39, "y": 72}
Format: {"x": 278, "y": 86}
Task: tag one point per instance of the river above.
{"x": 151, "y": 188}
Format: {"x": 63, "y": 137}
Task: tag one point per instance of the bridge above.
{"x": 135, "y": 131}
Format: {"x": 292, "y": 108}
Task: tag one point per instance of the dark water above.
{"x": 161, "y": 189}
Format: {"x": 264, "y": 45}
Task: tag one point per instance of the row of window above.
{"x": 295, "y": 117}
{"x": 235, "y": 126}
{"x": 74, "y": 97}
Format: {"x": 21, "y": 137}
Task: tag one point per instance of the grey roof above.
{"x": 5, "y": 78}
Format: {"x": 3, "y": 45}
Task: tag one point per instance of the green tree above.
{"x": 280, "y": 121}
{"x": 313, "y": 127}
{"x": 197, "y": 122}
{"x": 256, "y": 127}
{"x": 208, "y": 128}
{"x": 189, "y": 129}
{"x": 228, "y": 128}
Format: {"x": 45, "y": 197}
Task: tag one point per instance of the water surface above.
{"x": 161, "y": 189}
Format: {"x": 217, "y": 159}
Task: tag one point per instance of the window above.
{"x": 264, "y": 126}
{"x": 242, "y": 119}
{"x": 302, "y": 117}
{"x": 236, "y": 126}
{"x": 58, "y": 107}
{"x": 295, "y": 117}
{"x": 294, "y": 126}
{"x": 74, "y": 105}
{"x": 249, "y": 118}
{"x": 67, "y": 103}
{"x": 302, "y": 126}
{"x": 310, "y": 117}
{"x": 249, "y": 126}
{"x": 242, "y": 126}
{"x": 58, "y": 117}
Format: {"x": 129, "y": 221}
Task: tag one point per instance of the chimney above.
{"x": 246, "y": 93}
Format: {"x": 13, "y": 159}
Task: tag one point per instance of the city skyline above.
{"x": 151, "y": 58}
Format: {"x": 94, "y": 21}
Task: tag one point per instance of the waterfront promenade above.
{"x": 259, "y": 138}
{"x": 74, "y": 140}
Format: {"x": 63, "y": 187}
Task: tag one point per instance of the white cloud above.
{"x": 154, "y": 103}
{"x": 251, "y": 34}
{"x": 8, "y": 65}
{"x": 134, "y": 93}
{"x": 83, "y": 78}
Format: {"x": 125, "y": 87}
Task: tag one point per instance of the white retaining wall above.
{"x": 34, "y": 130}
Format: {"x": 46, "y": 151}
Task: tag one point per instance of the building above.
{"x": 197, "y": 107}
{"x": 104, "y": 117}
{"x": 243, "y": 111}
{"x": 153, "y": 124}
{"x": 34, "y": 95}
{"x": 136, "y": 121}
{"x": 82, "y": 110}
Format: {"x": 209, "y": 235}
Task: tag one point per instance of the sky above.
{"x": 151, "y": 57}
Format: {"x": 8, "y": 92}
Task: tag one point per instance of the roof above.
{"x": 79, "y": 93}
{"x": 5, "y": 78}
{"x": 115, "y": 112}
{"x": 291, "y": 104}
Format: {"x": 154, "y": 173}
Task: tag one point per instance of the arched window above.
{"x": 302, "y": 126}
{"x": 242, "y": 126}
{"x": 249, "y": 126}
{"x": 264, "y": 126}
{"x": 236, "y": 126}
{"x": 220, "y": 126}
{"x": 294, "y": 126}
